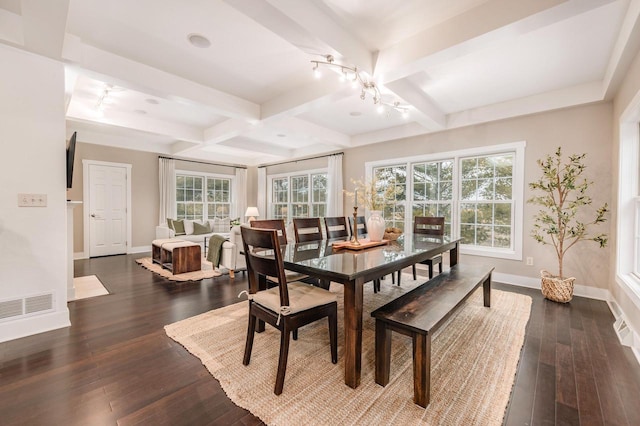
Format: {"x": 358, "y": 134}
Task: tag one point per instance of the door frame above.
{"x": 86, "y": 207}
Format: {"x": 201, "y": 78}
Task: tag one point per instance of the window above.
{"x": 477, "y": 191}
{"x": 433, "y": 190}
{"x": 298, "y": 195}
{"x": 393, "y": 181}
{"x": 486, "y": 200}
{"x": 200, "y": 196}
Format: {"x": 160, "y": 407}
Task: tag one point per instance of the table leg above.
{"x": 353, "y": 295}
{"x": 453, "y": 256}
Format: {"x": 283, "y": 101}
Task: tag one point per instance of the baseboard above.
{"x": 24, "y": 327}
{"x": 529, "y": 282}
{"x": 132, "y": 250}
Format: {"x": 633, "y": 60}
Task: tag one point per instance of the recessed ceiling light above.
{"x": 152, "y": 101}
{"x": 198, "y": 40}
{"x": 355, "y": 113}
{"x": 140, "y": 111}
{"x": 281, "y": 135}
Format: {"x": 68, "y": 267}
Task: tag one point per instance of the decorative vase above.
{"x": 375, "y": 226}
{"x": 556, "y": 288}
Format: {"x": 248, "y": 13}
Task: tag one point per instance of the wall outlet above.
{"x": 32, "y": 200}
{"x": 529, "y": 261}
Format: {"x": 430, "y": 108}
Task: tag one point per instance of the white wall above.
{"x": 33, "y": 240}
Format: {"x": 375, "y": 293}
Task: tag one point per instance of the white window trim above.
{"x": 233, "y": 213}
{"x": 627, "y": 194}
{"x": 518, "y": 192}
{"x": 289, "y": 175}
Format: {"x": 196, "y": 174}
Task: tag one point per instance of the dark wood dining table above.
{"x": 353, "y": 268}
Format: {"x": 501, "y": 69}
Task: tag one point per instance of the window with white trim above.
{"x": 298, "y": 195}
{"x": 477, "y": 191}
{"x": 203, "y": 196}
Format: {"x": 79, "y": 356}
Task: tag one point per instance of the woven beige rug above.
{"x": 474, "y": 360}
{"x": 207, "y": 271}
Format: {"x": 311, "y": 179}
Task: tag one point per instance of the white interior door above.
{"x": 107, "y": 210}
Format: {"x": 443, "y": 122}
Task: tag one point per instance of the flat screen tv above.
{"x": 71, "y": 152}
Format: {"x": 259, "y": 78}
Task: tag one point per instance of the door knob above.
{"x": 93, "y": 215}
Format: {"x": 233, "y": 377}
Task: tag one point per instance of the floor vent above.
{"x": 26, "y": 306}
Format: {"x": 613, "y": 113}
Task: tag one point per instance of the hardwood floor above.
{"x": 115, "y": 365}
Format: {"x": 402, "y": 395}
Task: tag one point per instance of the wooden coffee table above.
{"x": 178, "y": 256}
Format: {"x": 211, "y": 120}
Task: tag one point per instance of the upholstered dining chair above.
{"x": 428, "y": 225}
{"x": 307, "y": 229}
{"x": 287, "y": 306}
{"x": 336, "y": 227}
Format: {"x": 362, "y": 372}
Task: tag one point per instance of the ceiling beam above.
{"x": 425, "y": 111}
{"x": 44, "y": 24}
{"x": 625, "y": 50}
{"x": 133, "y": 75}
{"x": 475, "y": 29}
{"x": 296, "y": 127}
{"x": 307, "y": 27}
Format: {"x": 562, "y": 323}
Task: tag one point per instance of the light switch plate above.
{"x": 32, "y": 200}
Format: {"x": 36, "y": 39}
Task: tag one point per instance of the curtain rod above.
{"x": 203, "y": 162}
{"x": 302, "y": 159}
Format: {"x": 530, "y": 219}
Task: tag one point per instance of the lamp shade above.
{"x": 252, "y": 213}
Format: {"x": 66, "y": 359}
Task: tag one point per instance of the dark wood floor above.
{"x": 115, "y": 365}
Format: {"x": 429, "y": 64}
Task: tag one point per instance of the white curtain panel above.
{"x": 241, "y": 193}
{"x": 262, "y": 193}
{"x": 335, "y": 187}
{"x": 167, "y": 174}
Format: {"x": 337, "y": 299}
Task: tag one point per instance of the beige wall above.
{"x": 628, "y": 89}
{"x": 145, "y": 198}
{"x": 581, "y": 129}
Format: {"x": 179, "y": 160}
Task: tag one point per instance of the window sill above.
{"x": 491, "y": 252}
{"x": 630, "y": 284}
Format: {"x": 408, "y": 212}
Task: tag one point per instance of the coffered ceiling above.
{"x": 250, "y": 96}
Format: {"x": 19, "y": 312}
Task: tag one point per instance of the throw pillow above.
{"x": 188, "y": 226}
{"x": 178, "y": 227}
{"x": 170, "y": 224}
{"x": 201, "y": 228}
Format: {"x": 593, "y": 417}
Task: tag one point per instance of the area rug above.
{"x": 474, "y": 360}
{"x": 88, "y": 286}
{"x": 207, "y": 271}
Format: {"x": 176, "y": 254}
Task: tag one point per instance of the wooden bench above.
{"x": 418, "y": 314}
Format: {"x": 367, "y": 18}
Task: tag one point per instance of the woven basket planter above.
{"x": 556, "y": 288}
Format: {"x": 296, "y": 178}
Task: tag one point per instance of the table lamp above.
{"x": 252, "y": 213}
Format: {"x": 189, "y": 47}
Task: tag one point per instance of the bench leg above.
{"x": 421, "y": 368}
{"x": 383, "y": 353}
{"x": 486, "y": 290}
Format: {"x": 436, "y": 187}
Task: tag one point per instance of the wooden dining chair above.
{"x": 336, "y": 227}
{"x": 428, "y": 225}
{"x": 307, "y": 229}
{"x": 287, "y": 306}
{"x": 278, "y": 225}
{"x": 361, "y": 225}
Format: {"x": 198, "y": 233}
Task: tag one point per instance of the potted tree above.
{"x": 559, "y": 222}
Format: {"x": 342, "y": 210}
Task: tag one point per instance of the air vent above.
{"x": 43, "y": 302}
{"x": 10, "y": 308}
{"x": 26, "y": 306}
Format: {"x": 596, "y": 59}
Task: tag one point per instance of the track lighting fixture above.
{"x": 368, "y": 87}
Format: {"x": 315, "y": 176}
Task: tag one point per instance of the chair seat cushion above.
{"x": 290, "y": 276}
{"x": 301, "y": 297}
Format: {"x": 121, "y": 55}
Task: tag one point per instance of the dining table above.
{"x": 353, "y": 268}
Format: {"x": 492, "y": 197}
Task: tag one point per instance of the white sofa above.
{"x": 231, "y": 257}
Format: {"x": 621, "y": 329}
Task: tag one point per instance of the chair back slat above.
{"x": 307, "y": 229}
{"x": 262, "y": 253}
{"x": 336, "y": 227}
{"x": 361, "y": 225}
{"x": 428, "y": 225}
{"x": 277, "y": 224}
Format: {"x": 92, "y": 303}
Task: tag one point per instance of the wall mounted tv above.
{"x": 71, "y": 152}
